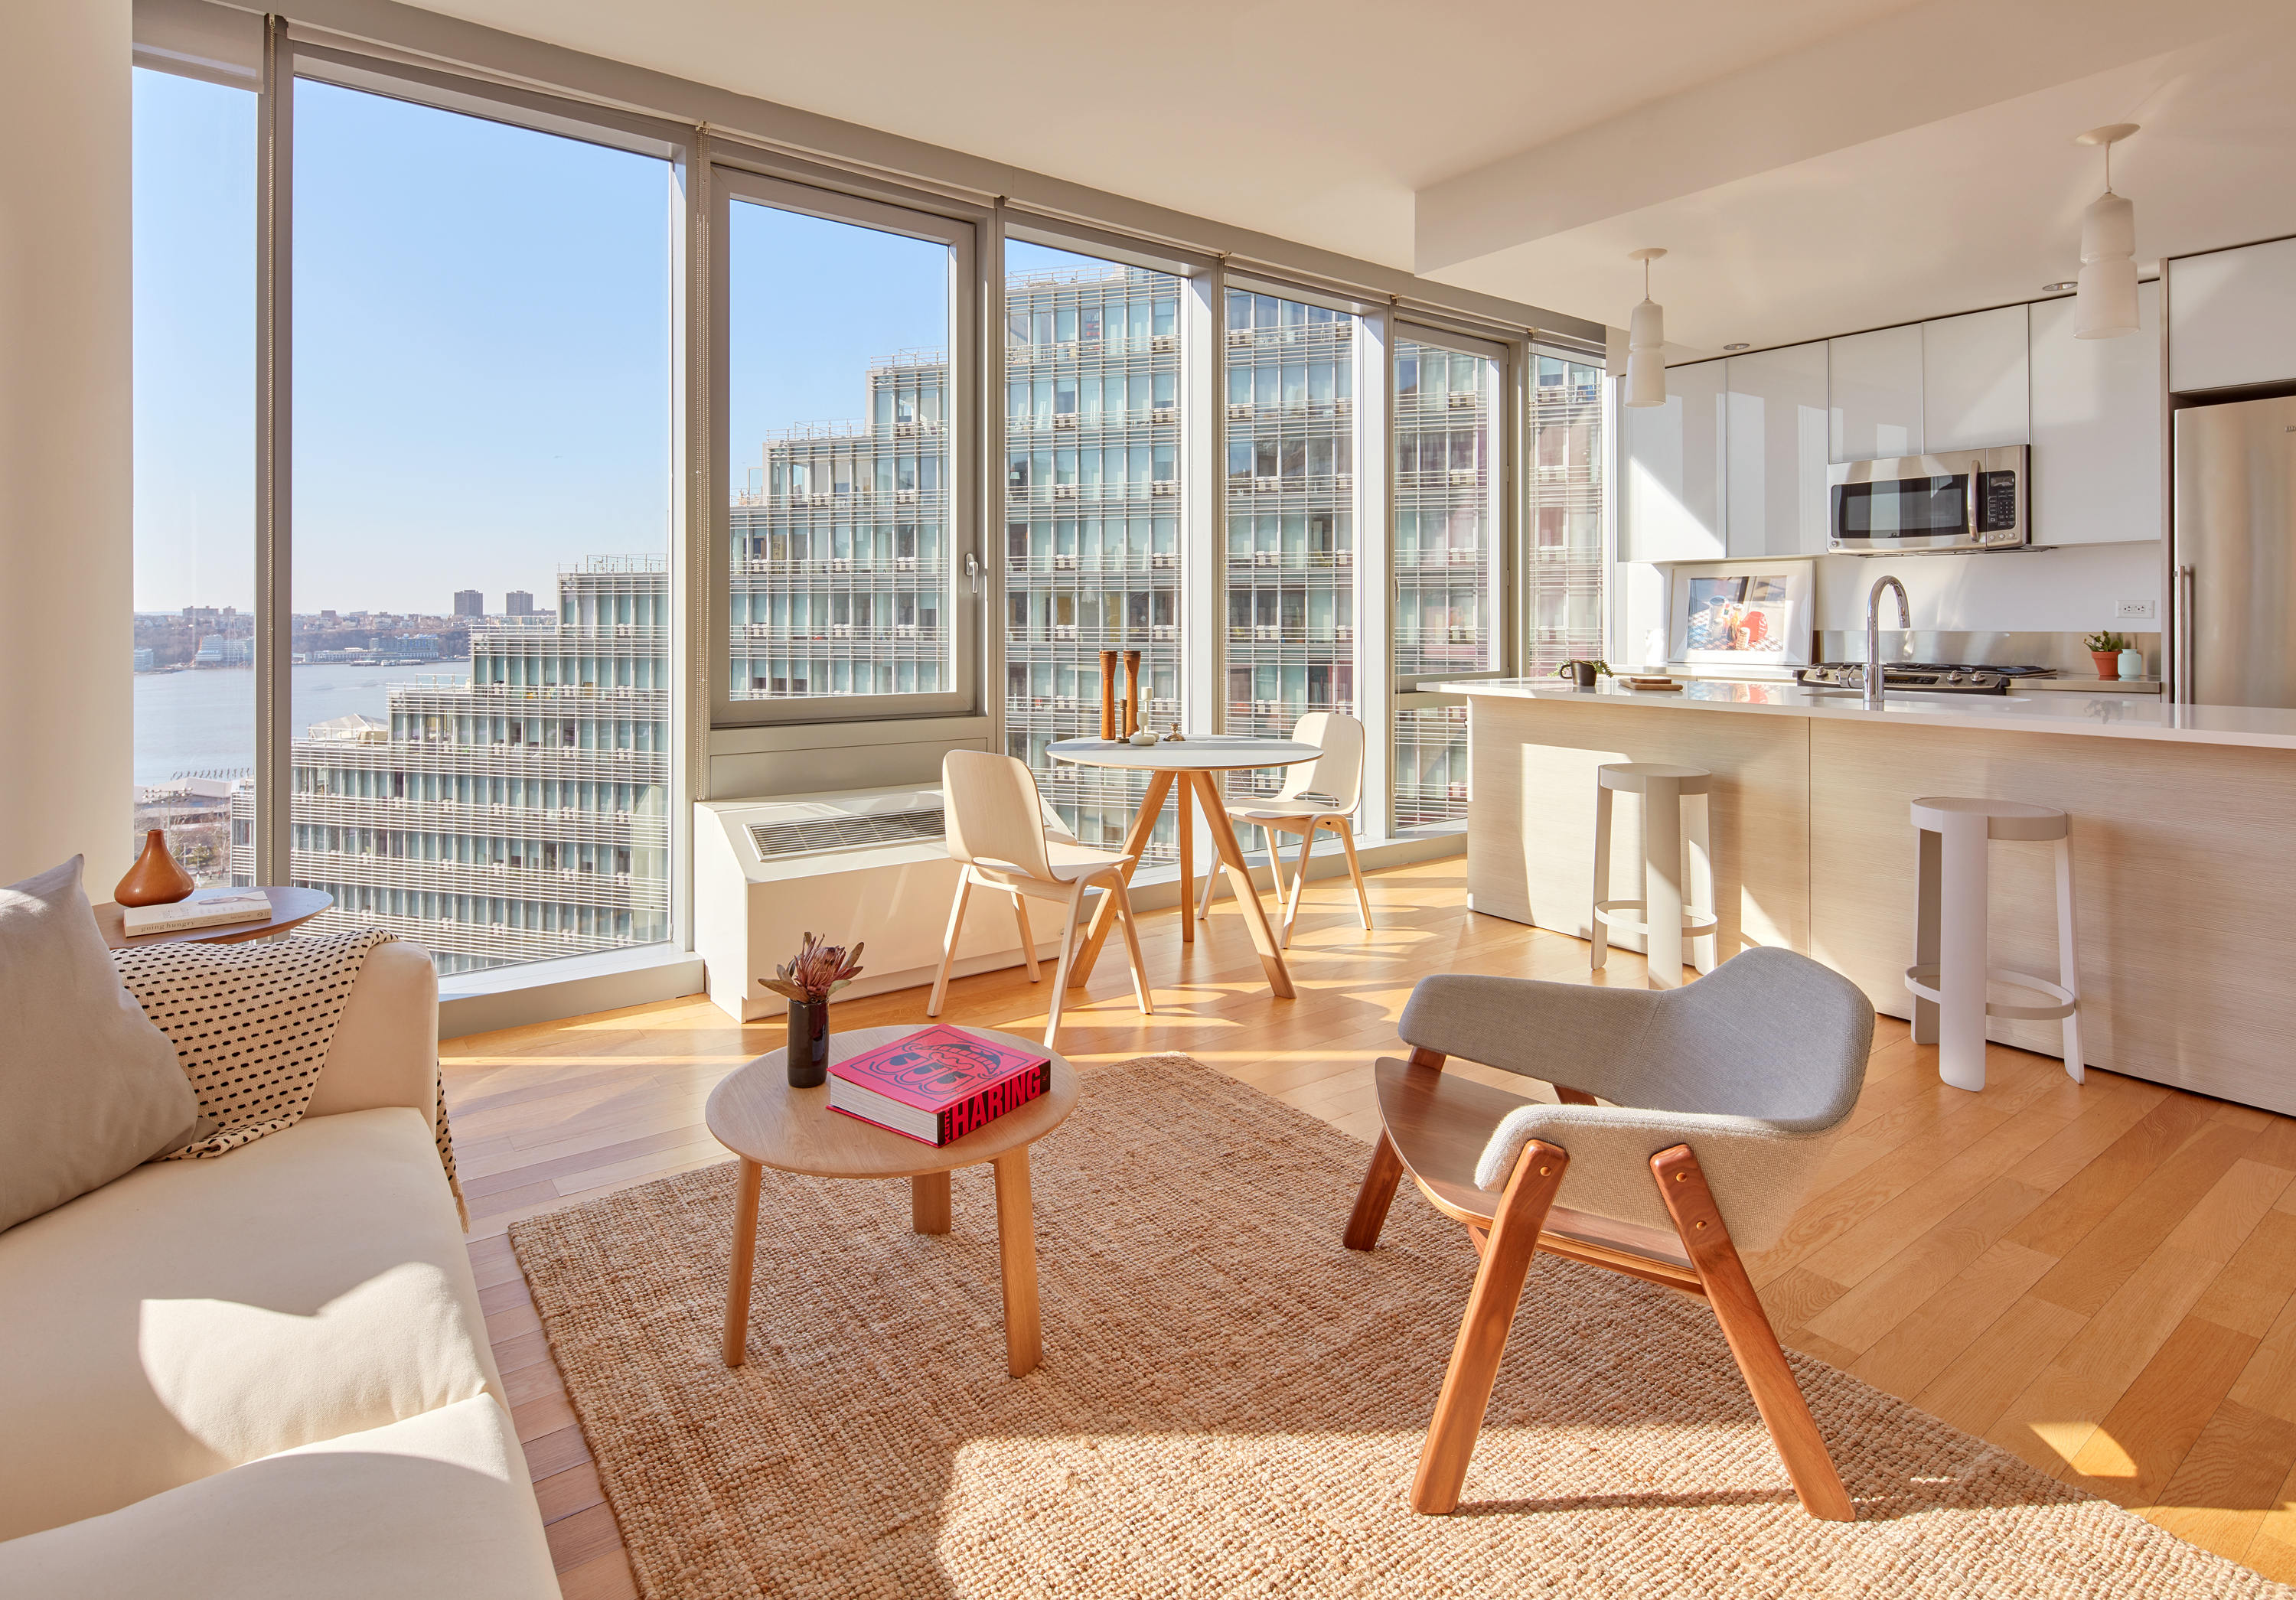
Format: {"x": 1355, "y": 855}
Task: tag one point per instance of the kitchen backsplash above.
{"x": 2063, "y": 651}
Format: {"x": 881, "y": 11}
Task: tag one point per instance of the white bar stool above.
{"x": 1950, "y": 976}
{"x": 1667, "y": 827}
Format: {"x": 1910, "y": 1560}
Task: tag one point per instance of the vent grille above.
{"x": 773, "y": 840}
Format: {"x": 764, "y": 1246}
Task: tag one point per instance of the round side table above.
{"x": 290, "y": 907}
{"x": 755, "y": 1115}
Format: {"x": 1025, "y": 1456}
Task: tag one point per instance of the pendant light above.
{"x": 1646, "y": 342}
{"x": 2105, "y": 306}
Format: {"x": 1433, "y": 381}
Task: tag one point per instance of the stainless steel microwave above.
{"x": 1914, "y": 504}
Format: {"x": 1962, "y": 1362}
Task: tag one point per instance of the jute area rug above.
{"x": 1230, "y": 1402}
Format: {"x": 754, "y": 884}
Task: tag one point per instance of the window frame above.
{"x": 1508, "y": 422}
{"x": 969, "y": 592}
{"x": 286, "y": 60}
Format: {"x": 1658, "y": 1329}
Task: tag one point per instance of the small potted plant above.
{"x": 1583, "y": 672}
{"x": 2105, "y": 649}
{"x": 817, "y": 972}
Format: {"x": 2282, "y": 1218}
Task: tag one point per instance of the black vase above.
{"x": 809, "y": 1043}
{"x": 1583, "y": 672}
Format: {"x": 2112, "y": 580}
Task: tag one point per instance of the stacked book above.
{"x": 252, "y": 905}
{"x": 938, "y": 1085}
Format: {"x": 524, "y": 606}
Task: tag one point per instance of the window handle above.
{"x": 973, "y": 571}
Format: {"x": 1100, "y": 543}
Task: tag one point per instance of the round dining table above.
{"x": 1192, "y": 765}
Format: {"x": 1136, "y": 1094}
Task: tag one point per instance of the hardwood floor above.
{"x": 2100, "y": 1278}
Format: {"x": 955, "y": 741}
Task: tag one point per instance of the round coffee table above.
{"x": 757, "y": 1115}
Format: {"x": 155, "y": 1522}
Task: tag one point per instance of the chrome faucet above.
{"x": 1873, "y": 635}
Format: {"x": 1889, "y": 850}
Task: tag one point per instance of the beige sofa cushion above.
{"x": 193, "y": 1315}
{"x": 436, "y": 1506}
{"x": 91, "y": 1087}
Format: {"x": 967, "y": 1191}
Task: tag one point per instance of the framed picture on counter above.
{"x": 1750, "y": 613}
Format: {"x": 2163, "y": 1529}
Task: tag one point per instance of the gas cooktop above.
{"x": 1930, "y": 677}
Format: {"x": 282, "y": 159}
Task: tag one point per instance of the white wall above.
{"x": 67, "y": 705}
{"x": 2068, "y": 590}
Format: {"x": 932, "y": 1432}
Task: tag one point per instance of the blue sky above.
{"x": 483, "y": 327}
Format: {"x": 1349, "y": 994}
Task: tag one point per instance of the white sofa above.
{"x": 267, "y": 1374}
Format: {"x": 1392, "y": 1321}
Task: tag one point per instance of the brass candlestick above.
{"x": 1108, "y": 696}
{"x": 1131, "y": 692}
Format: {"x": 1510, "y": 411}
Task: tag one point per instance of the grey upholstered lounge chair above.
{"x": 1718, "y": 1096}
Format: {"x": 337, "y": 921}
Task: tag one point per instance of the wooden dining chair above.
{"x": 1692, "y": 1122}
{"x": 1317, "y": 795}
{"x": 997, "y": 828}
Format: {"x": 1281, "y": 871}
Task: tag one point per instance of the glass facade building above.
{"x": 518, "y": 816}
{"x": 1290, "y": 519}
{"x": 840, "y": 548}
{"x": 1092, "y": 491}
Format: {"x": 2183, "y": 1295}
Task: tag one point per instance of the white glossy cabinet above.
{"x": 1675, "y": 469}
{"x": 1973, "y": 380}
{"x": 1776, "y": 452}
{"x": 2096, "y": 428}
{"x": 1875, "y": 393}
{"x": 2232, "y": 318}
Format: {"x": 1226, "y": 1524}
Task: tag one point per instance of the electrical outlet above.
{"x": 2132, "y": 610}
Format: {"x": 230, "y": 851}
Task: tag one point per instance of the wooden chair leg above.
{"x": 1752, "y": 1341}
{"x": 1373, "y": 1198}
{"x": 1028, "y": 936}
{"x": 1267, "y": 837}
{"x": 1483, "y": 1331}
{"x": 1380, "y": 1177}
{"x": 949, "y": 942}
{"x": 1140, "y": 989}
{"x": 1070, "y": 931}
{"x": 1343, "y": 827}
{"x": 1204, "y": 904}
{"x": 1299, "y": 885}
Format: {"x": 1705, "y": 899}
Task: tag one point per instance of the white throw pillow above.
{"x": 92, "y": 1088}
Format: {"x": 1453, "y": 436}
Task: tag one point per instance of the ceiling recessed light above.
{"x": 1737, "y": 346}
{"x": 2067, "y": 287}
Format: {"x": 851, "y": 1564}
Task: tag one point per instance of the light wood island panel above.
{"x": 2184, "y": 864}
{"x": 1530, "y": 827}
{"x": 2183, "y": 877}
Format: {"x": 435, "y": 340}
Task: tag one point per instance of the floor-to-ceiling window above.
{"x": 195, "y": 417}
{"x": 1291, "y": 533}
{"x": 1449, "y": 558}
{"x": 847, "y": 595}
{"x": 1093, "y": 503}
{"x": 481, "y": 523}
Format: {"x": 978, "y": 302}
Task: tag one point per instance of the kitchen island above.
{"x": 2184, "y": 837}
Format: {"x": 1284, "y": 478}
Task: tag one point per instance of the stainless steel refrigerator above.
{"x": 2233, "y": 559}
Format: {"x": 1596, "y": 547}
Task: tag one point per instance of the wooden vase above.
{"x": 1131, "y": 692}
{"x": 1108, "y": 696}
{"x": 155, "y": 879}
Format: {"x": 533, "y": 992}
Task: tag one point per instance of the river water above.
{"x": 204, "y": 720}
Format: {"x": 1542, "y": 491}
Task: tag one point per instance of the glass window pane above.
{"x": 1291, "y": 568}
{"x": 1565, "y": 553}
{"x": 482, "y": 507}
{"x": 1447, "y": 572}
{"x": 1113, "y": 582}
{"x": 826, "y": 318}
{"x": 195, "y": 338}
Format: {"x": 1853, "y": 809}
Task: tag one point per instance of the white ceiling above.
{"x": 1814, "y": 166}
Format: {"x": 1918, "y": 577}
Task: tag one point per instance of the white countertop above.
{"x": 2116, "y": 716}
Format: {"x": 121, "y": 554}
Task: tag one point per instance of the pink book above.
{"x": 937, "y": 1085}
